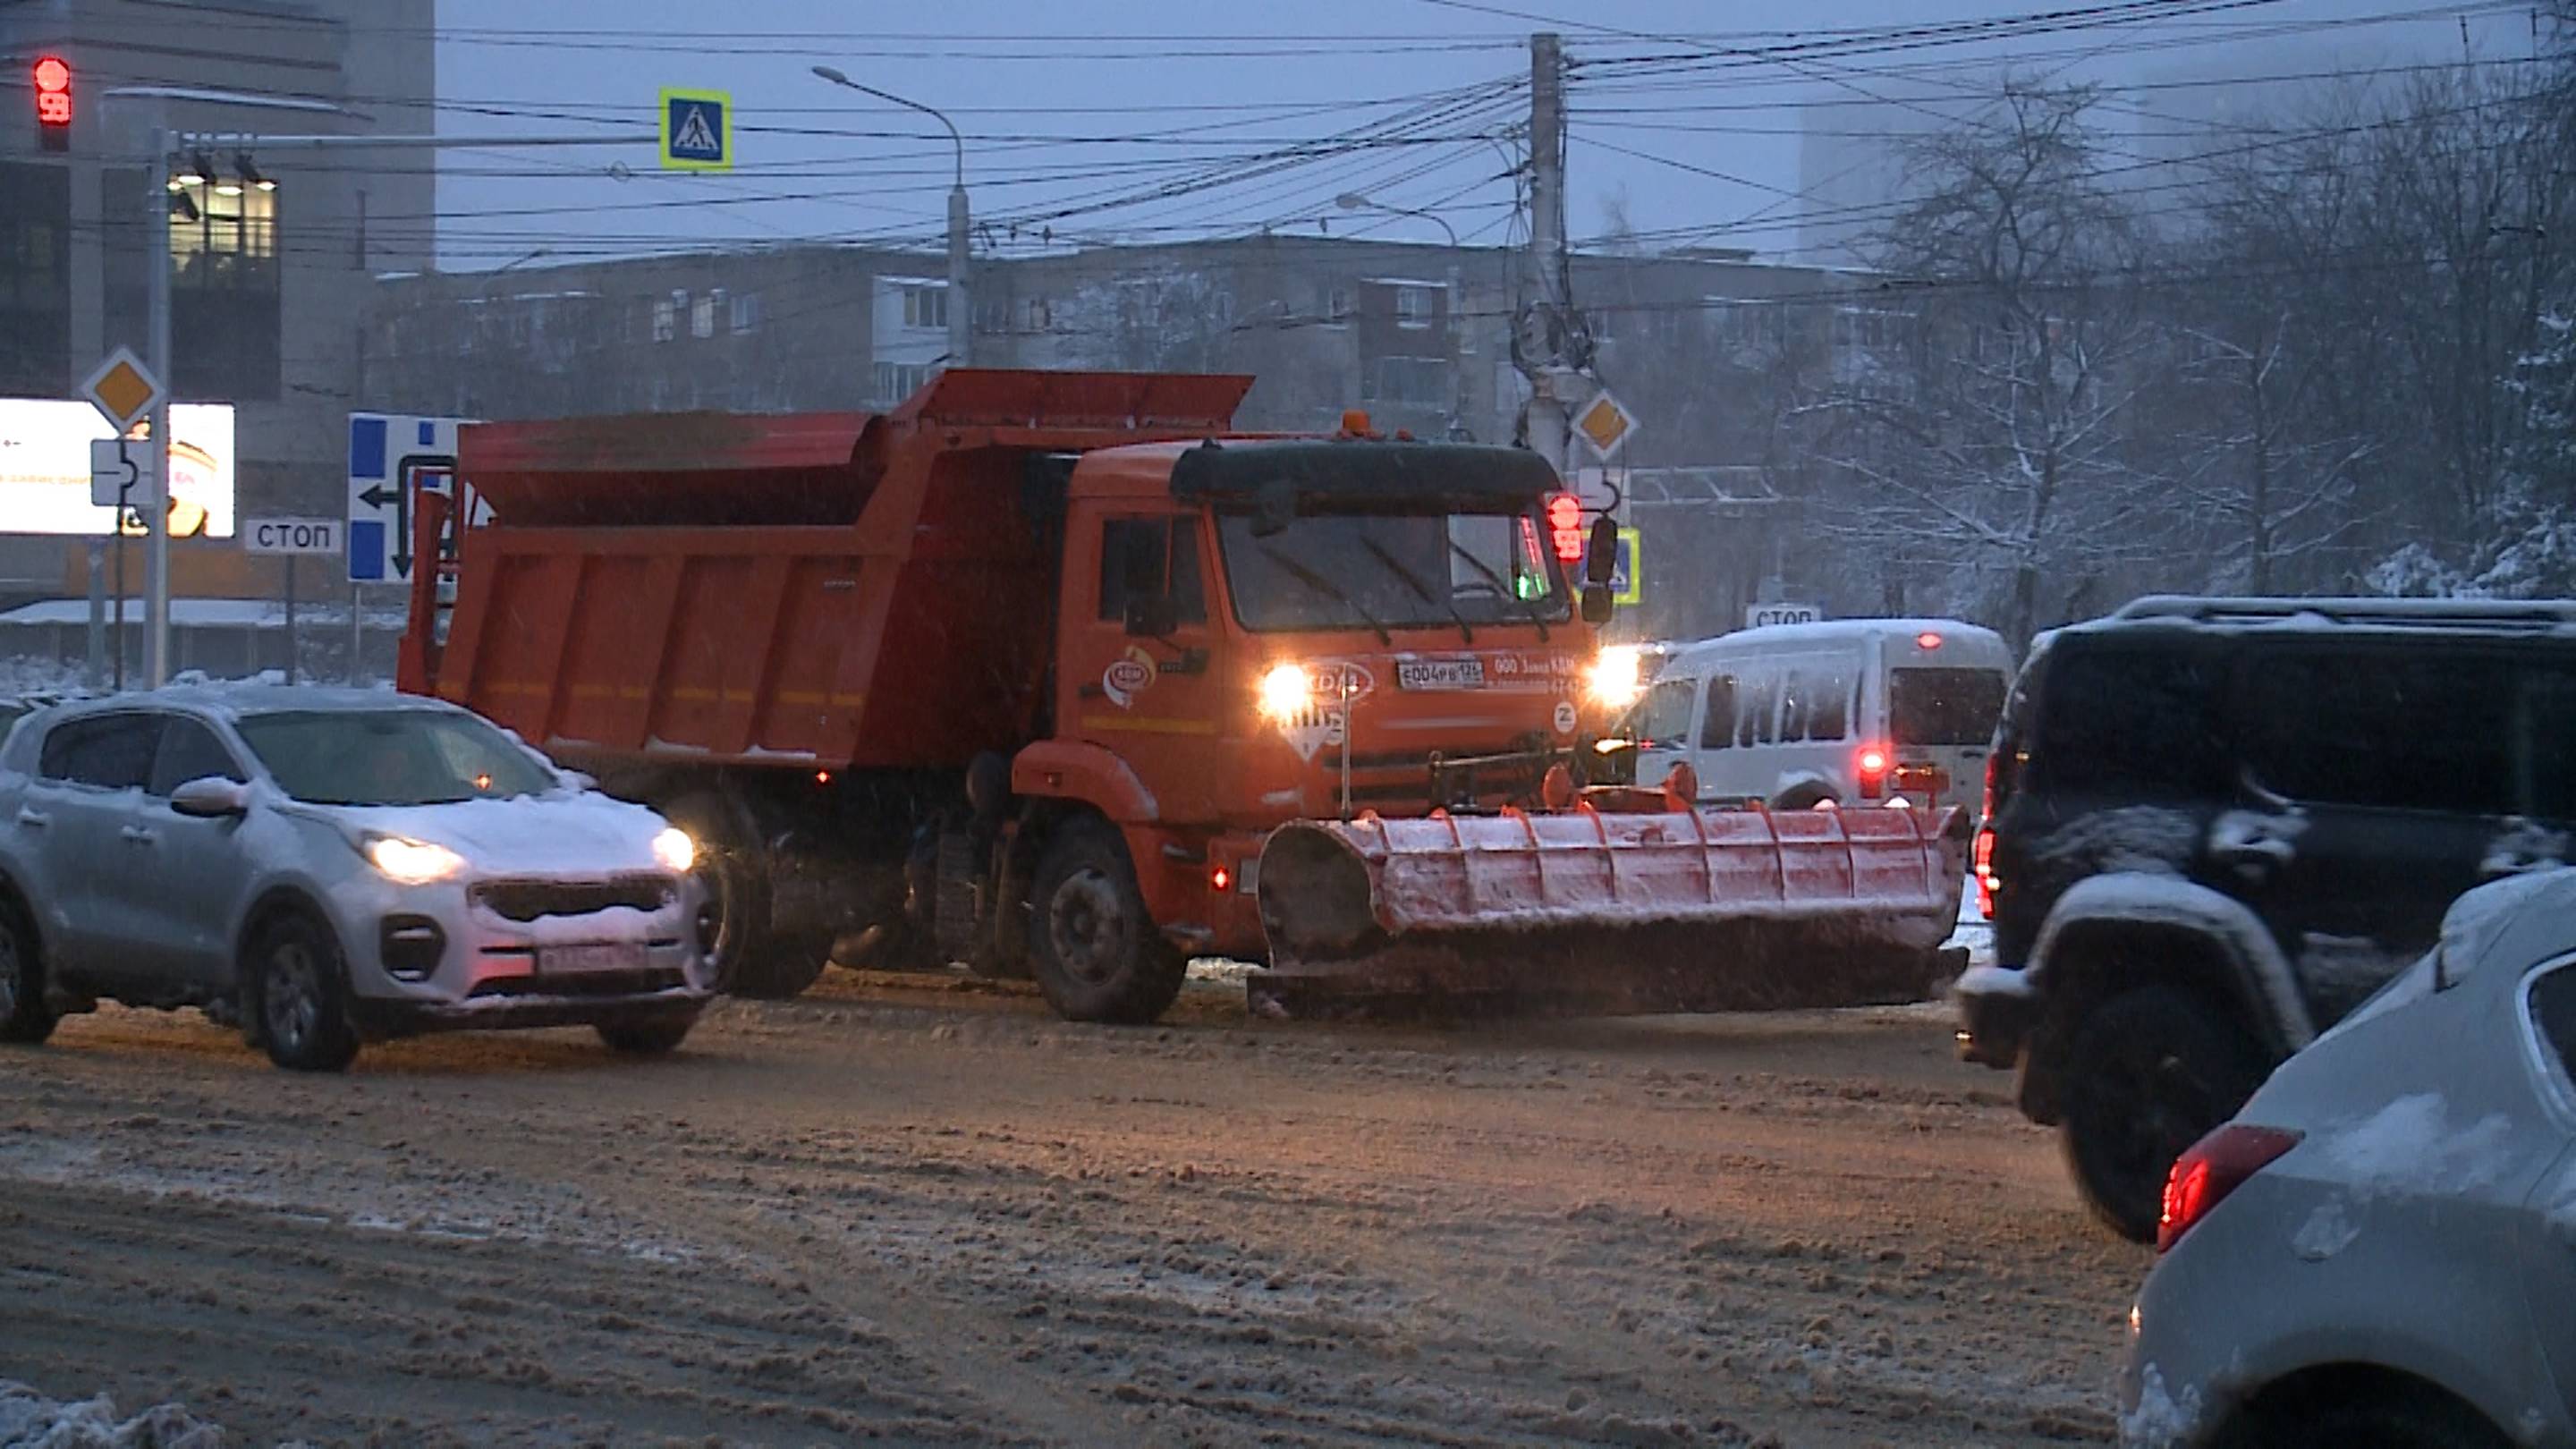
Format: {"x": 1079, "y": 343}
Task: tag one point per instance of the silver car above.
{"x": 2381, "y": 1247}
{"x": 326, "y": 867}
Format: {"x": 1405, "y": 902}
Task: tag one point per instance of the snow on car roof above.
{"x": 2340, "y": 615}
{"x": 240, "y": 699}
{"x": 2542, "y": 901}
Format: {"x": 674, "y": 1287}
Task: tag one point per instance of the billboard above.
{"x": 44, "y": 468}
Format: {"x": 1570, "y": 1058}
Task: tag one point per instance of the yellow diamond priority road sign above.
{"x": 122, "y": 389}
{"x": 1604, "y": 424}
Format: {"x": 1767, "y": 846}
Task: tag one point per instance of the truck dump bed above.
{"x": 817, "y": 590}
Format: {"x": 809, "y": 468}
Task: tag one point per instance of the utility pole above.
{"x": 1544, "y": 419}
{"x": 156, "y": 504}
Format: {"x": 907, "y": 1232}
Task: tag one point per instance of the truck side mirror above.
{"x": 1597, "y": 607}
{"x": 1152, "y": 616}
{"x": 1601, "y": 559}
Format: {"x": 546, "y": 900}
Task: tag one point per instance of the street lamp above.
{"x": 960, "y": 324}
{"x": 1354, "y": 201}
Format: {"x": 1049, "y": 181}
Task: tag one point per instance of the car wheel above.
{"x": 2400, "y": 1419}
{"x": 1097, "y": 955}
{"x": 24, "y": 1016}
{"x": 645, "y": 1038}
{"x": 301, "y": 990}
{"x": 2149, "y": 1072}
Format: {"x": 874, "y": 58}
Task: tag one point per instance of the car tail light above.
{"x": 2215, "y": 1166}
{"x": 1985, "y": 871}
{"x": 1986, "y": 806}
{"x": 1873, "y": 771}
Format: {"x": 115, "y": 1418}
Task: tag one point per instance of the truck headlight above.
{"x": 1612, "y": 680}
{"x": 677, "y": 852}
{"x": 1285, "y": 691}
{"x": 412, "y": 862}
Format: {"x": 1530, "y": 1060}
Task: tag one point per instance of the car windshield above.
{"x": 1395, "y": 571}
{"x": 392, "y": 757}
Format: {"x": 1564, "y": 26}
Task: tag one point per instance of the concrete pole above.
{"x": 961, "y": 320}
{"x": 156, "y": 505}
{"x": 1543, "y": 266}
{"x": 94, "y": 673}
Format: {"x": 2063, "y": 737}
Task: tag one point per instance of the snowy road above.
{"x": 935, "y": 1214}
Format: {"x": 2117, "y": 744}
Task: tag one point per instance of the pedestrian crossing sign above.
{"x": 697, "y": 130}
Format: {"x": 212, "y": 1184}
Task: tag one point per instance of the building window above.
{"x": 702, "y": 316}
{"x": 666, "y": 319}
{"x": 1408, "y": 381}
{"x": 899, "y": 380}
{"x": 1041, "y": 317}
{"x": 926, "y": 307}
{"x": 993, "y": 318}
{"x": 1337, "y": 302}
{"x": 746, "y": 311}
{"x": 1413, "y": 306}
{"x": 224, "y": 307}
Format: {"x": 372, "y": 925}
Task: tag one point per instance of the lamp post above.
{"x": 960, "y": 320}
{"x": 1354, "y": 201}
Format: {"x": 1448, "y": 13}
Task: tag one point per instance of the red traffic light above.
{"x": 53, "y": 78}
{"x": 1565, "y": 526}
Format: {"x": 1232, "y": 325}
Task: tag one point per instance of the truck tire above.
{"x": 25, "y": 1018}
{"x": 2150, "y": 1071}
{"x": 750, "y": 960}
{"x": 1097, "y": 955}
{"x": 782, "y": 964}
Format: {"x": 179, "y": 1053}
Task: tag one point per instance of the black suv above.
{"x": 2213, "y": 826}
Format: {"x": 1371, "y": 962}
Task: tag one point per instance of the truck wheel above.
{"x": 302, "y": 996}
{"x": 782, "y": 964}
{"x": 24, "y": 1016}
{"x": 734, "y": 872}
{"x": 1097, "y": 954}
{"x": 2149, "y": 1072}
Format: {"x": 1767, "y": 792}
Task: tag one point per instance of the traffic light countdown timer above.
{"x": 53, "y": 78}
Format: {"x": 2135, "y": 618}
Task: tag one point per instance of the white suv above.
{"x": 329, "y": 866}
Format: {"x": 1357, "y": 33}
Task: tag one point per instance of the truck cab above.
{"x": 1259, "y": 630}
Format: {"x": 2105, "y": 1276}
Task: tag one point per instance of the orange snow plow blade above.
{"x": 1610, "y": 911}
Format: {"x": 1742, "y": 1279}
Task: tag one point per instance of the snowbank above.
{"x": 28, "y": 1420}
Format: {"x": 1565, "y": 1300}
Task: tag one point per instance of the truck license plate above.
{"x": 1440, "y": 674}
{"x": 577, "y": 960}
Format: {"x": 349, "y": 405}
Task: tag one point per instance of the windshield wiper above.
{"x": 1327, "y": 588}
{"x": 1420, "y": 589}
{"x": 1500, "y": 587}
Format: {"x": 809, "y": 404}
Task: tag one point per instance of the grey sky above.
{"x": 1206, "y": 90}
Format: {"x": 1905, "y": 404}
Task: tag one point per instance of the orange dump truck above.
{"x": 1025, "y": 673}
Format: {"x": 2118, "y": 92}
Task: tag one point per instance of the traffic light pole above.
{"x": 156, "y": 505}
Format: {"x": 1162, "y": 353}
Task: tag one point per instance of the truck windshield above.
{"x": 392, "y": 757}
{"x": 1395, "y": 571}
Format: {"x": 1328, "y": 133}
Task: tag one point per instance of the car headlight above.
{"x": 1612, "y": 680}
{"x": 1285, "y": 691}
{"x": 677, "y": 852}
{"x": 412, "y": 862}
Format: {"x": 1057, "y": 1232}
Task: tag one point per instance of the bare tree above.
{"x": 1983, "y": 411}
